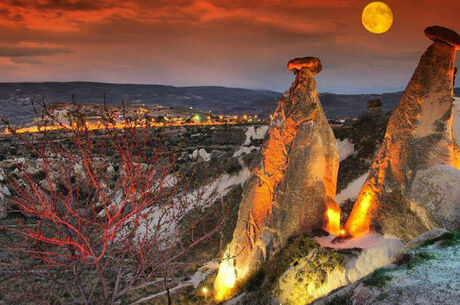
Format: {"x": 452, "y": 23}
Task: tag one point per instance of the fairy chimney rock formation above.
{"x": 293, "y": 186}
{"x": 419, "y": 136}
{"x": 439, "y": 33}
{"x": 311, "y": 63}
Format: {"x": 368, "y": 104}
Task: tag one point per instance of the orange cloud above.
{"x": 191, "y": 42}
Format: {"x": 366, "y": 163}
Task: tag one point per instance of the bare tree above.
{"x": 102, "y": 203}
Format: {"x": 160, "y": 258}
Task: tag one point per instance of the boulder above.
{"x": 419, "y": 136}
{"x": 292, "y": 187}
{"x": 423, "y": 239}
{"x": 4, "y": 192}
{"x": 437, "y": 191}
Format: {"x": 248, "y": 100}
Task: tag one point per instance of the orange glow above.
{"x": 225, "y": 281}
{"x": 101, "y": 126}
{"x": 358, "y": 223}
{"x": 456, "y": 159}
{"x": 333, "y": 219}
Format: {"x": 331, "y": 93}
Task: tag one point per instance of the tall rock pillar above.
{"x": 292, "y": 189}
{"x": 419, "y": 136}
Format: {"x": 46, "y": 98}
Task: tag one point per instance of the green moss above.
{"x": 345, "y": 300}
{"x": 382, "y": 296}
{"x": 296, "y": 248}
{"x": 299, "y": 284}
{"x": 450, "y": 239}
{"x": 378, "y": 278}
{"x": 419, "y": 259}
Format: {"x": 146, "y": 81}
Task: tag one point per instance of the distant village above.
{"x": 159, "y": 115}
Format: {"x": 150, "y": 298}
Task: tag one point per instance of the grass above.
{"x": 419, "y": 259}
{"x": 448, "y": 239}
{"x": 378, "y": 278}
{"x": 382, "y": 296}
{"x": 344, "y": 300}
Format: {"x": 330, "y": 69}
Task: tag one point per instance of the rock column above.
{"x": 419, "y": 136}
{"x": 293, "y": 187}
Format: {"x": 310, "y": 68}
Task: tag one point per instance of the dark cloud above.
{"x": 9, "y": 15}
{"x": 66, "y": 5}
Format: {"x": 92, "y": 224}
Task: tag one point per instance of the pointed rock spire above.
{"x": 419, "y": 136}
{"x": 293, "y": 187}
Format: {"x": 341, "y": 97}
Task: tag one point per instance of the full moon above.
{"x": 377, "y": 17}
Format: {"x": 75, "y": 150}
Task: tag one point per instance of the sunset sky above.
{"x": 238, "y": 43}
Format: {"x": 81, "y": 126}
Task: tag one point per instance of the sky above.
{"x": 235, "y": 43}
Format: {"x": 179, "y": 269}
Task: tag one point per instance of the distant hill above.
{"x": 15, "y": 98}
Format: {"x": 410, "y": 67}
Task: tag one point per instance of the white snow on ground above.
{"x": 242, "y": 150}
{"x": 200, "y": 275}
{"x": 255, "y": 134}
{"x": 346, "y": 148}
{"x": 219, "y": 187}
{"x": 160, "y": 217}
{"x": 378, "y": 251}
{"x": 433, "y": 281}
{"x": 364, "y": 241}
{"x": 352, "y": 190}
{"x": 252, "y": 133}
{"x": 201, "y": 154}
{"x": 456, "y": 119}
{"x": 169, "y": 181}
{"x": 225, "y": 183}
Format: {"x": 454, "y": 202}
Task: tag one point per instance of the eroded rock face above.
{"x": 294, "y": 183}
{"x": 437, "y": 190}
{"x": 419, "y": 136}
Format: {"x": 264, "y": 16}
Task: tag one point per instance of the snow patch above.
{"x": 197, "y": 278}
{"x": 352, "y": 190}
{"x": 243, "y": 150}
{"x": 201, "y": 274}
{"x": 221, "y": 186}
{"x": 435, "y": 281}
{"x": 255, "y": 134}
{"x": 201, "y": 154}
{"x": 159, "y": 219}
{"x": 378, "y": 251}
{"x": 346, "y": 148}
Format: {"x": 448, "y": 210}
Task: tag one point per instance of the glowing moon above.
{"x": 377, "y": 17}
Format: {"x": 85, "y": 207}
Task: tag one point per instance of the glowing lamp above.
{"x": 225, "y": 280}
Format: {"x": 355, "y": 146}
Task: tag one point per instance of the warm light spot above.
{"x": 225, "y": 280}
{"x": 456, "y": 159}
{"x": 358, "y": 223}
{"x": 333, "y": 219}
{"x": 205, "y": 291}
{"x": 377, "y": 17}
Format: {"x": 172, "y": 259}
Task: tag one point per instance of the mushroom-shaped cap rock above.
{"x": 443, "y": 34}
{"x": 311, "y": 63}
